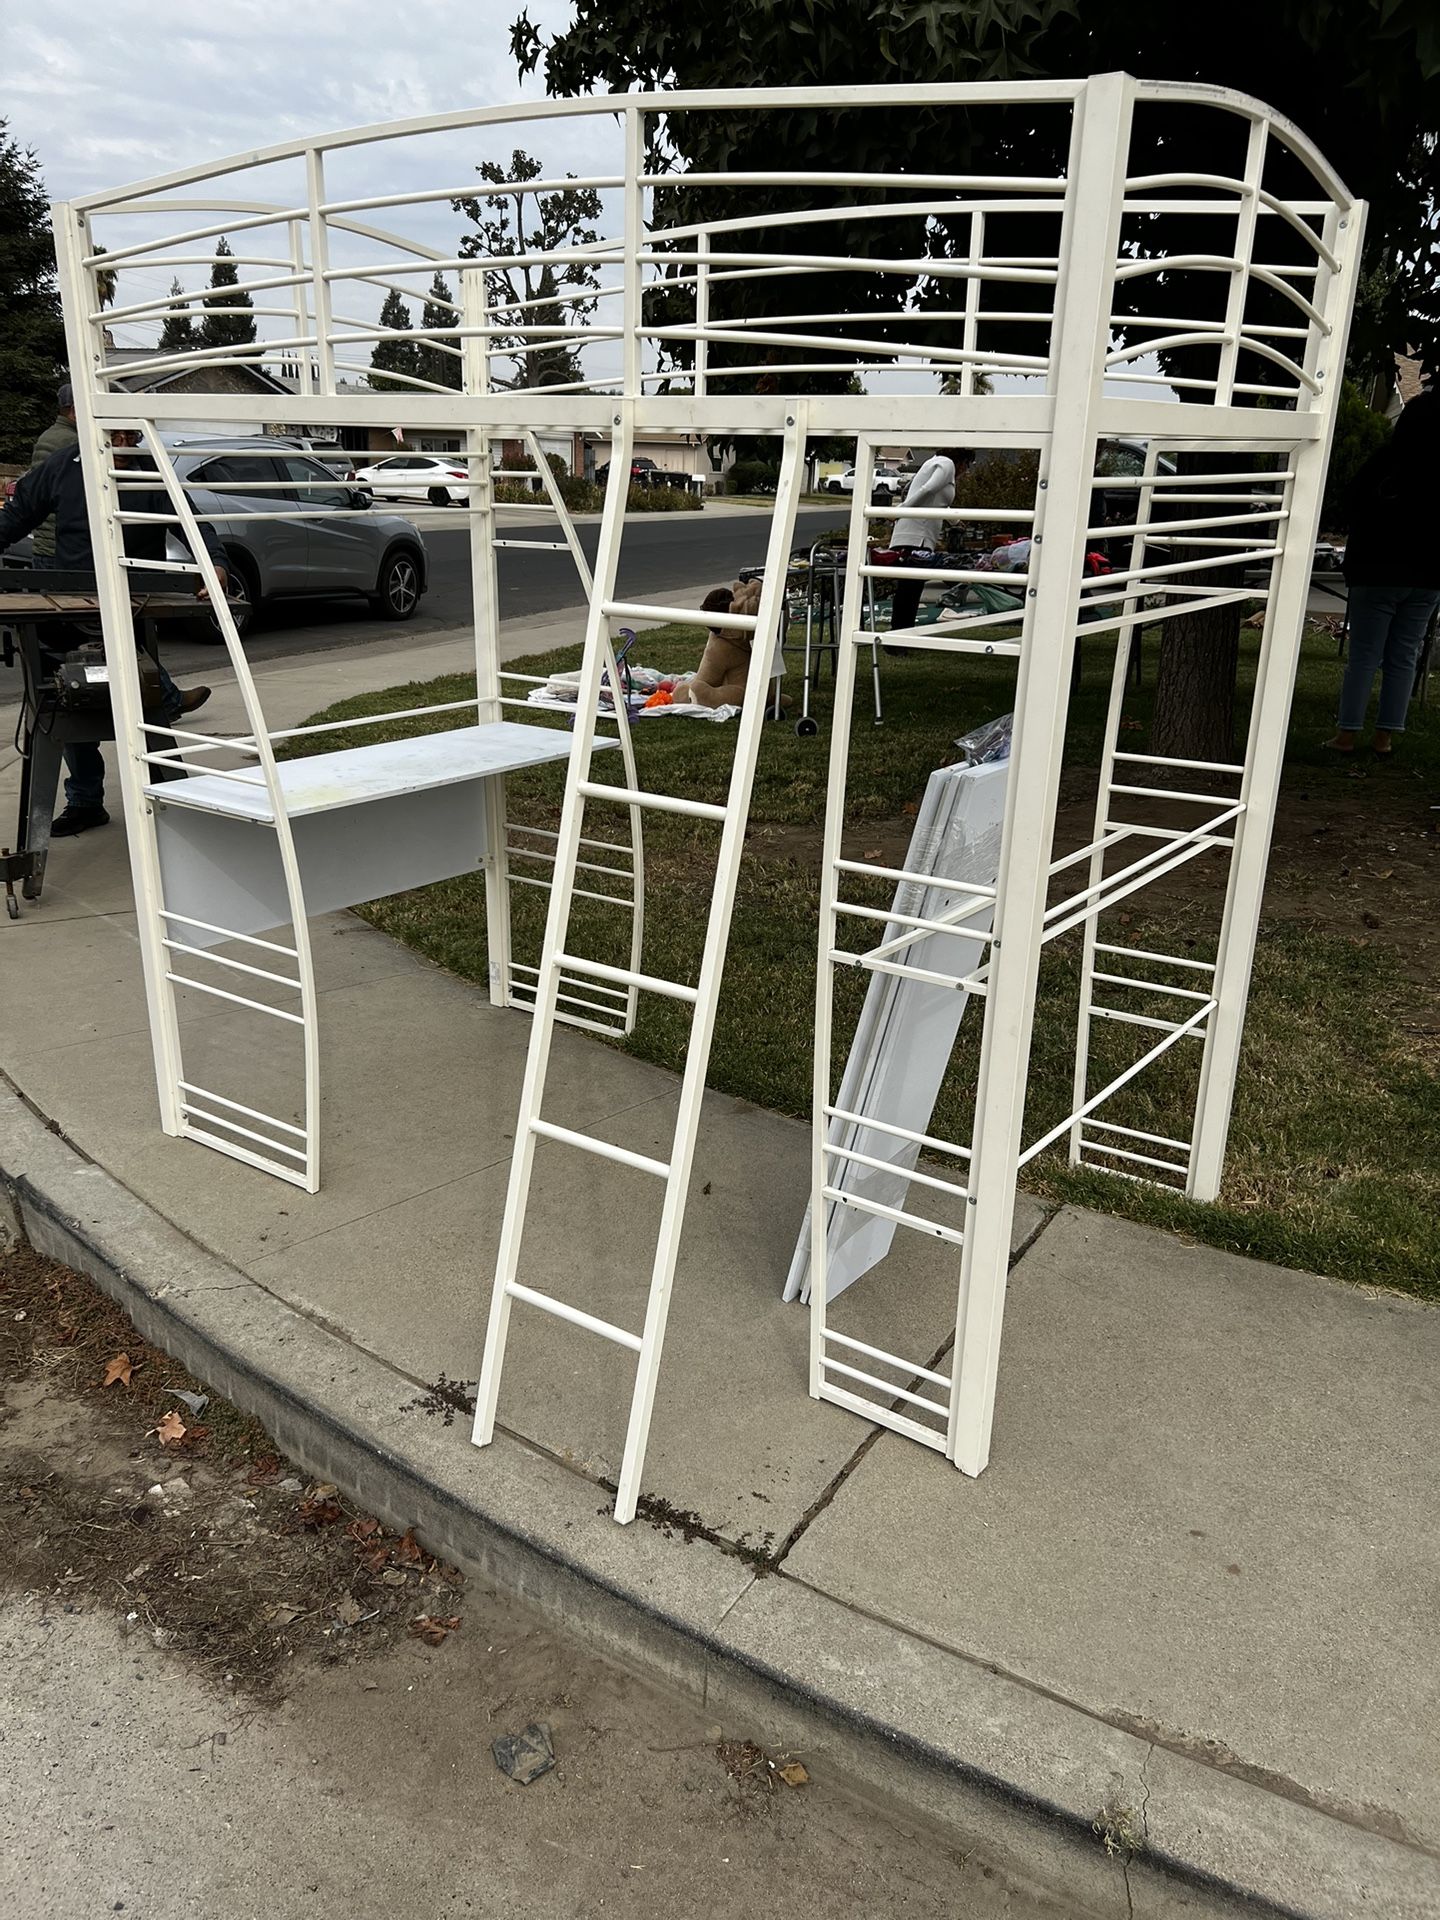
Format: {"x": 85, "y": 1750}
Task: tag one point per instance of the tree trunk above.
{"x": 1194, "y": 715}
{"x": 1195, "y": 688}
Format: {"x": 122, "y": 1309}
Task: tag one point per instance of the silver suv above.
{"x": 378, "y": 555}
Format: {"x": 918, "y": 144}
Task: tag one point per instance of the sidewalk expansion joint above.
{"x": 828, "y": 1492}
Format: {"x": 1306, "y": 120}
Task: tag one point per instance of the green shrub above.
{"x": 752, "y": 476}
{"x": 662, "y": 500}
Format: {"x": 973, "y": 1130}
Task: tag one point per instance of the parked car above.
{"x": 889, "y": 483}
{"x": 353, "y": 550}
{"x": 645, "y": 473}
{"x": 436, "y": 477}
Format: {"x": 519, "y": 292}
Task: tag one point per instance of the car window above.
{"x": 228, "y": 469}
{"x": 329, "y": 495}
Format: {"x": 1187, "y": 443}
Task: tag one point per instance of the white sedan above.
{"x": 440, "y": 478}
{"x": 889, "y": 483}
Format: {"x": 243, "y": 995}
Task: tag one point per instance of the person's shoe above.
{"x": 196, "y": 697}
{"x": 78, "y": 820}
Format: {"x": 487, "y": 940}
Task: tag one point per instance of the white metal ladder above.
{"x": 702, "y": 997}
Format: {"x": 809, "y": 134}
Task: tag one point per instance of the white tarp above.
{"x": 907, "y": 1028}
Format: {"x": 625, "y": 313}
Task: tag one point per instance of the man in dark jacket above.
{"x": 57, "y": 487}
{"x": 60, "y": 433}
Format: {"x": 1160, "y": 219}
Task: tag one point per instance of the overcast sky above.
{"x": 110, "y": 91}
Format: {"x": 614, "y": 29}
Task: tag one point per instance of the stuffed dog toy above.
{"x": 719, "y": 681}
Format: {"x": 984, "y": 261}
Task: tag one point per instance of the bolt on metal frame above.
{"x": 667, "y": 352}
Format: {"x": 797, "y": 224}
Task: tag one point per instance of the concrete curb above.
{"x": 1018, "y": 1774}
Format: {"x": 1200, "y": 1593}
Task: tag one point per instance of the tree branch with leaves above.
{"x": 516, "y": 227}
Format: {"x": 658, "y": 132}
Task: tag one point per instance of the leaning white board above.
{"x": 907, "y": 1028}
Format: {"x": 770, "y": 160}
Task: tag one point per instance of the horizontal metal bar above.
{"x": 219, "y": 993}
{"x": 1161, "y": 959}
{"x": 934, "y": 639}
{"x": 548, "y": 1304}
{"x": 254, "y": 1113}
{"x": 576, "y": 893}
{"x": 234, "y": 1151}
{"x": 903, "y": 874}
{"x": 374, "y": 720}
{"x": 1148, "y": 986}
{"x": 897, "y": 1214}
{"x": 624, "y": 977}
{"x": 208, "y": 926}
{"x": 891, "y": 1166}
{"x": 615, "y": 1015}
{"x": 908, "y": 1367}
{"x": 224, "y": 960}
{"x": 687, "y": 616}
{"x": 656, "y": 802}
{"x": 883, "y": 1416}
{"x": 1168, "y": 793}
{"x": 581, "y": 866}
{"x": 1138, "y": 1133}
{"x": 245, "y": 1133}
{"x": 902, "y": 972}
{"x": 887, "y": 916}
{"x": 613, "y": 993}
{"x": 1190, "y": 766}
{"x": 900, "y": 1133}
{"x": 1126, "y": 1019}
{"x": 898, "y": 1393}
{"x": 622, "y": 1156}
{"x": 1139, "y": 1159}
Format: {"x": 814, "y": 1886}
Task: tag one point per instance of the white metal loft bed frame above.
{"x": 1028, "y": 281}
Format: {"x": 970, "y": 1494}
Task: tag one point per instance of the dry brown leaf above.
{"x": 318, "y": 1513}
{"x": 409, "y": 1552}
{"x": 794, "y": 1775}
{"x": 361, "y": 1529}
{"x": 171, "y": 1430}
{"x": 433, "y": 1629}
{"x": 120, "y": 1368}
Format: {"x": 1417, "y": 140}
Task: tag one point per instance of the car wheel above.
{"x": 397, "y": 592}
{"x": 833, "y": 486}
{"x": 243, "y": 594}
{"x": 438, "y": 497}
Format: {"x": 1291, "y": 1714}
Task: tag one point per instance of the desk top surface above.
{"x": 385, "y": 769}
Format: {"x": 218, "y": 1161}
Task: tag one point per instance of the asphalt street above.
{"x": 658, "y": 554}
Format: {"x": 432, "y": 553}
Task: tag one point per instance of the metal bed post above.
{"x": 1100, "y": 150}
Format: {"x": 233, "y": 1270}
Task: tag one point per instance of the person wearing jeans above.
{"x": 57, "y": 488}
{"x": 1387, "y": 632}
{"x": 1392, "y": 567}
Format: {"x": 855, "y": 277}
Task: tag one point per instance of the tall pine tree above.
{"x": 393, "y": 354}
{"x": 226, "y": 328}
{"x": 32, "y": 339}
{"x": 438, "y": 365}
{"x": 179, "y": 333}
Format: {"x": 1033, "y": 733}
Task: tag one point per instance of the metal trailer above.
{"x": 1010, "y": 320}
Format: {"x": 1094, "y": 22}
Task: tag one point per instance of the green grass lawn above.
{"x": 1333, "y": 1161}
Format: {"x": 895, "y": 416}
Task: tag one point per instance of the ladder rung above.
{"x": 549, "y": 546}
{"x": 683, "y": 616}
{"x": 660, "y": 802}
{"x": 623, "y": 977}
{"x": 897, "y": 1214}
{"x": 606, "y": 1149}
{"x": 546, "y": 1304}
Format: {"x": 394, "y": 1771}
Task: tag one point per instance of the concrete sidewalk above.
{"x": 1193, "y": 1597}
